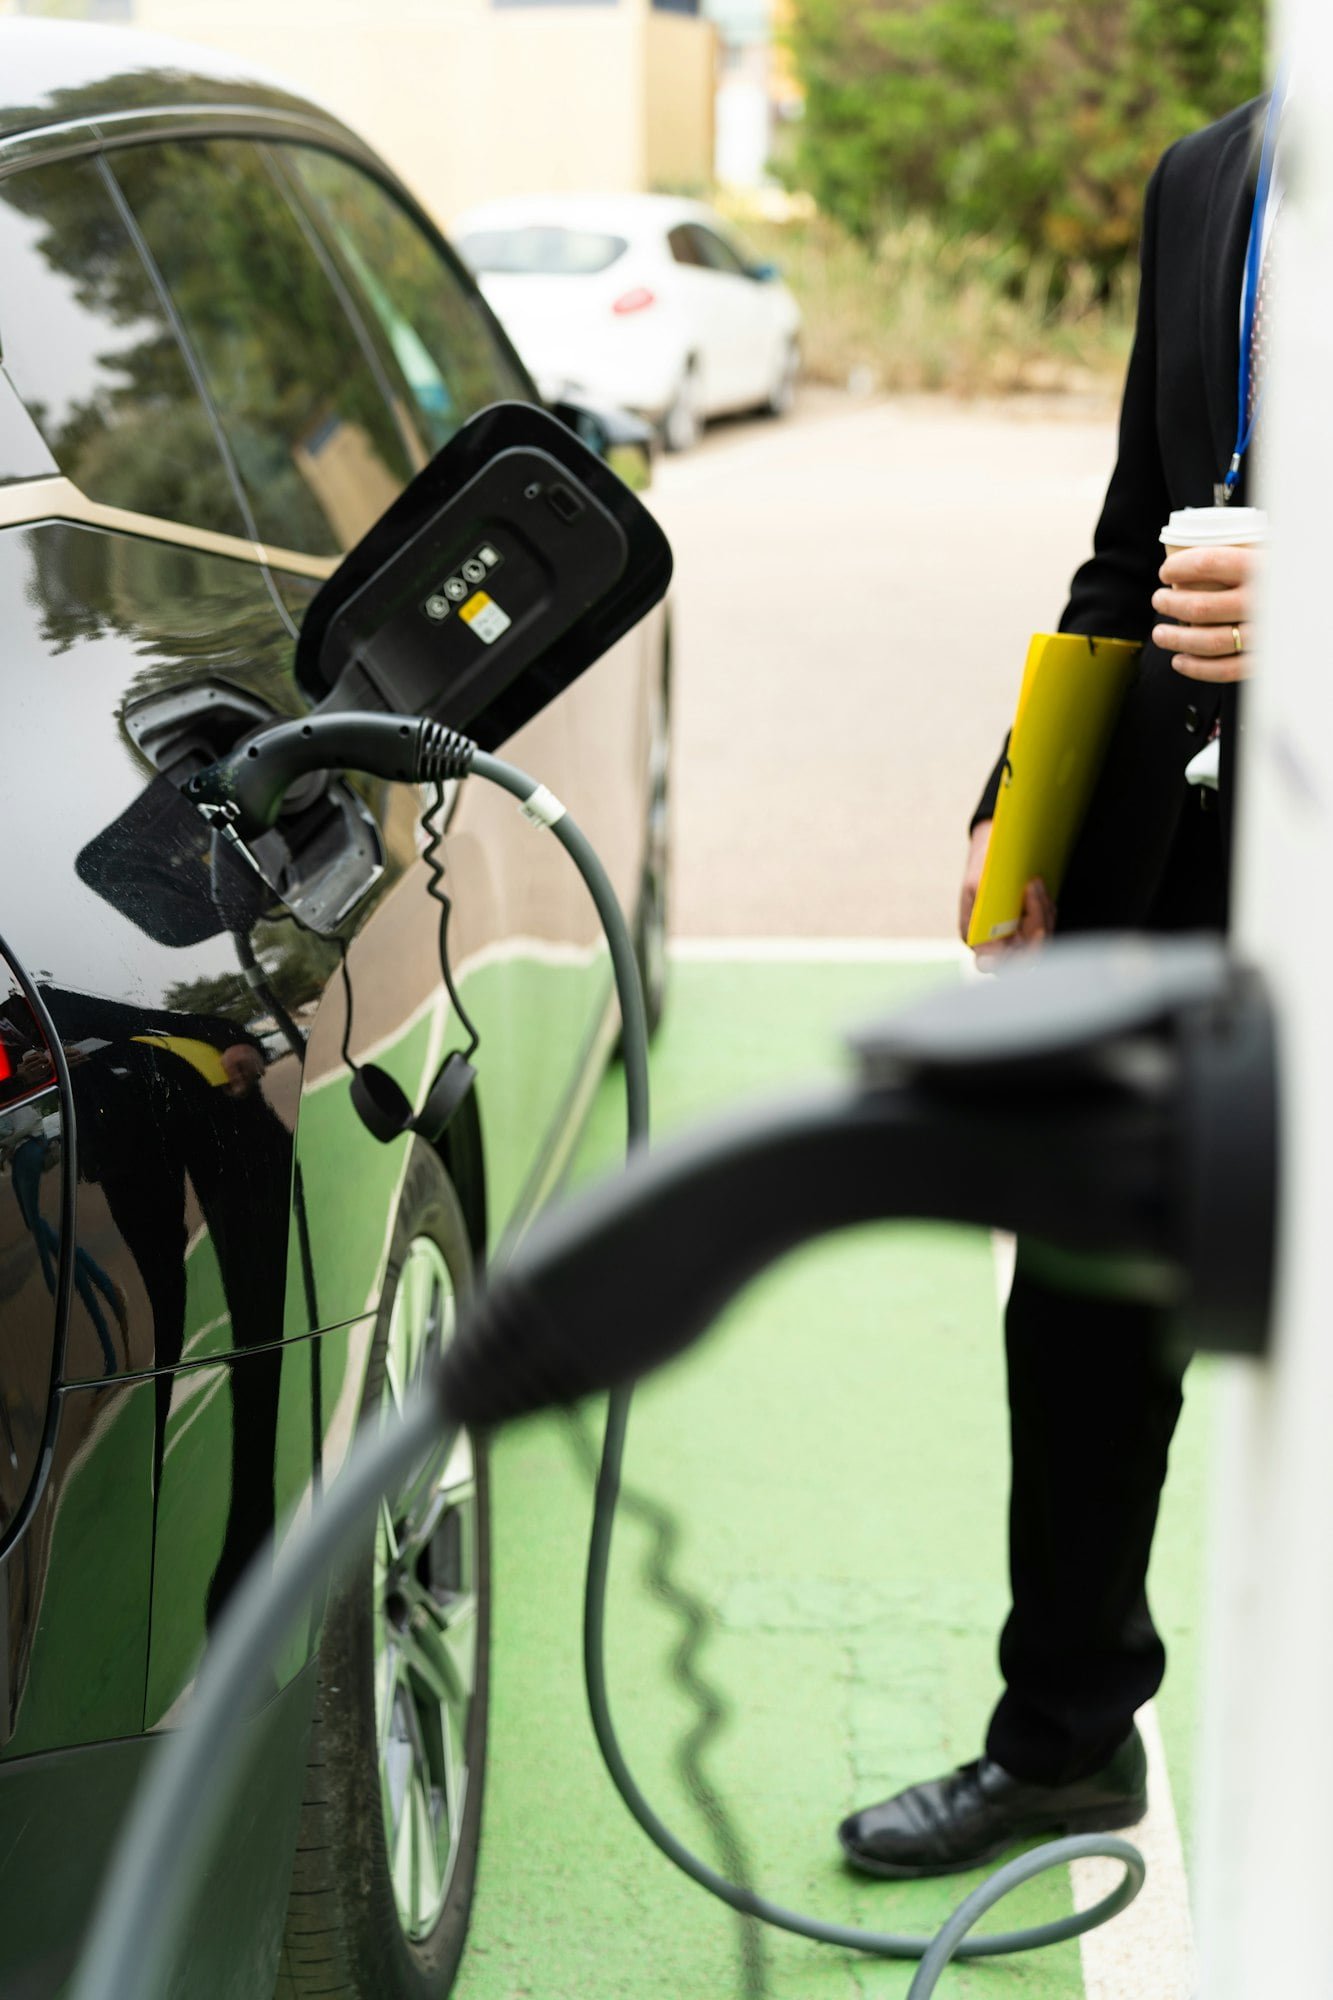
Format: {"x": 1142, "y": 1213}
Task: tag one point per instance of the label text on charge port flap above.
{"x": 483, "y": 616}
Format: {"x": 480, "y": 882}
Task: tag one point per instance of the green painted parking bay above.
{"x": 809, "y": 1579}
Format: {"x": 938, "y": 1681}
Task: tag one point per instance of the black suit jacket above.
{"x": 1177, "y": 433}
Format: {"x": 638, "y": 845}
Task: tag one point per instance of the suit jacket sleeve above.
{"x": 1111, "y": 595}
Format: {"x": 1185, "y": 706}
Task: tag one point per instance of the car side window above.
{"x": 89, "y": 346}
{"x": 305, "y": 412}
{"x": 443, "y": 342}
{"x": 716, "y": 254}
{"x": 682, "y": 245}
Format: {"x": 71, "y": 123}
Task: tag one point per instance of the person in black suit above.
{"x": 1093, "y": 1396}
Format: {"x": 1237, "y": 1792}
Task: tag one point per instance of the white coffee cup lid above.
{"x": 1215, "y": 527}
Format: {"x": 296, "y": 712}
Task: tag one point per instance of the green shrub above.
{"x": 919, "y": 309}
{"x": 1023, "y": 120}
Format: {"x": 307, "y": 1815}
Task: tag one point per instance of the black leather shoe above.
{"x": 968, "y": 1818}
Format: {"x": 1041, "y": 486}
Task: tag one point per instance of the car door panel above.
{"x": 74, "y": 1588}
{"x": 738, "y": 314}
{"x": 232, "y": 1208}
{"x": 185, "y": 1093}
{"x": 709, "y": 341}
{"x": 64, "y": 1814}
{"x": 34, "y": 1225}
{"x": 147, "y": 1023}
{"x": 534, "y": 984}
{"x": 182, "y": 1155}
{"x": 243, "y": 1446}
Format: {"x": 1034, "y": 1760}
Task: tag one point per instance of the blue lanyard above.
{"x": 1254, "y": 264}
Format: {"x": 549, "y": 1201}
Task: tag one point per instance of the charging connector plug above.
{"x": 244, "y": 792}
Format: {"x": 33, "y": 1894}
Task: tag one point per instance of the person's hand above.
{"x": 1208, "y": 597}
{"x": 976, "y": 861}
{"x": 1035, "y": 925}
{"x": 243, "y": 1066}
{"x": 1037, "y": 921}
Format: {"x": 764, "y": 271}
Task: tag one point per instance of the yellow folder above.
{"x": 1067, "y": 708}
{"x": 201, "y": 1056}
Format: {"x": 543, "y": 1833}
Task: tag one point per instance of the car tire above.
{"x": 781, "y": 398}
{"x": 684, "y": 420}
{"x": 651, "y": 914}
{"x": 371, "y": 1913}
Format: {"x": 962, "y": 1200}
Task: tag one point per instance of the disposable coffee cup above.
{"x": 1215, "y": 528}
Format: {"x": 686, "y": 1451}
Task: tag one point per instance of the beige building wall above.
{"x": 571, "y": 78}
{"x": 467, "y": 100}
{"x": 679, "y": 94}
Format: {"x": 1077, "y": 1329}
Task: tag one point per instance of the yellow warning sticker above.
{"x": 484, "y": 616}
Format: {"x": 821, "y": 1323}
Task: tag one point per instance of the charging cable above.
{"x": 511, "y": 1356}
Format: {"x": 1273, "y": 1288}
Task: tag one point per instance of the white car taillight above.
{"x": 636, "y": 301}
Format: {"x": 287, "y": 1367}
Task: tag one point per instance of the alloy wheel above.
{"x": 425, "y": 1611}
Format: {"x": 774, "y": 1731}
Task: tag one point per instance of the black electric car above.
{"x": 229, "y": 338}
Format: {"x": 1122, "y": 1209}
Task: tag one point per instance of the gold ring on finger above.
{"x": 1237, "y": 642}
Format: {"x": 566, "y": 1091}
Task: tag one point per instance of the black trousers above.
{"x": 1094, "y": 1396}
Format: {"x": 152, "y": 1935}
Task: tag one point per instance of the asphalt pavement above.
{"x": 856, "y": 586}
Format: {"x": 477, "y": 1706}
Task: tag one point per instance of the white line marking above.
{"x": 818, "y": 951}
{"x": 1148, "y": 1951}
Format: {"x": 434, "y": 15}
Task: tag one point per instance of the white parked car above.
{"x": 640, "y": 300}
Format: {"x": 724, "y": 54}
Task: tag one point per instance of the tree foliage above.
{"x": 1033, "y": 120}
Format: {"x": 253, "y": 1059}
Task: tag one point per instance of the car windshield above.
{"x": 542, "y": 249}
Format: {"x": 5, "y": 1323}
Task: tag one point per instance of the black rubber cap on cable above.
{"x": 382, "y": 1105}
